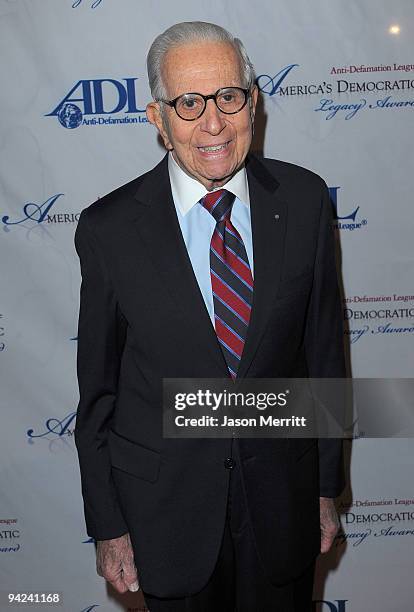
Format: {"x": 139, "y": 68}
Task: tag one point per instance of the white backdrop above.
{"x": 337, "y": 97}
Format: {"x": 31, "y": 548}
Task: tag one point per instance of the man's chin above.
{"x": 213, "y": 183}
{"x": 219, "y": 177}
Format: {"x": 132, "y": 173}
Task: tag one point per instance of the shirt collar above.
{"x": 187, "y": 191}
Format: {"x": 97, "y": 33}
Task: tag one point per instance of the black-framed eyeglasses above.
{"x": 190, "y": 106}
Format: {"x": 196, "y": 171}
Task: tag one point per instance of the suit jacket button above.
{"x": 229, "y": 463}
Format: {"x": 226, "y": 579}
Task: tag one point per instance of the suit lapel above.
{"x": 269, "y": 219}
{"x": 158, "y": 226}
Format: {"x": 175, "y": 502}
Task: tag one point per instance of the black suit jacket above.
{"x": 142, "y": 318}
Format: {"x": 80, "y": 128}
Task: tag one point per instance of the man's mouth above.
{"x": 214, "y": 148}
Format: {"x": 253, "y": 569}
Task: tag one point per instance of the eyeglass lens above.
{"x": 229, "y": 100}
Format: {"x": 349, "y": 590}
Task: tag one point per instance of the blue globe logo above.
{"x": 70, "y": 116}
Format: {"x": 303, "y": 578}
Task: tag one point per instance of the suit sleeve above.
{"x": 324, "y": 341}
{"x": 101, "y": 336}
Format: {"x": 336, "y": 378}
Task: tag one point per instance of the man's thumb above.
{"x": 134, "y": 586}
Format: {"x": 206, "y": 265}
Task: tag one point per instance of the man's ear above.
{"x": 154, "y": 116}
{"x": 253, "y": 101}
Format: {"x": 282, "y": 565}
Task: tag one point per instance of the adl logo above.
{"x": 98, "y": 99}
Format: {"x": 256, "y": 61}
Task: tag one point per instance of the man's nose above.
{"x": 212, "y": 120}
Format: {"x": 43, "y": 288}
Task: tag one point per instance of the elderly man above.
{"x": 213, "y": 264}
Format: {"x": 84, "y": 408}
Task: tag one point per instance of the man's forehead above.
{"x": 194, "y": 66}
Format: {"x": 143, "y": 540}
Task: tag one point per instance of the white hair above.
{"x": 191, "y": 32}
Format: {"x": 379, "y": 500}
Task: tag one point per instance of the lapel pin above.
{"x": 276, "y": 217}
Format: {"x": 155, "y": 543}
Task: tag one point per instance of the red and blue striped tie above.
{"x": 231, "y": 279}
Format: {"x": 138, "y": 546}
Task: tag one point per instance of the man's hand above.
{"x": 329, "y": 522}
{"x": 115, "y": 563}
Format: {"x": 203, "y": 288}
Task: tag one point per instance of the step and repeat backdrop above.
{"x": 337, "y": 96}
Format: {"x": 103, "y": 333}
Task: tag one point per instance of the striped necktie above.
{"x": 231, "y": 279}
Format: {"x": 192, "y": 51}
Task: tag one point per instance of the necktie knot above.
{"x": 218, "y": 203}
